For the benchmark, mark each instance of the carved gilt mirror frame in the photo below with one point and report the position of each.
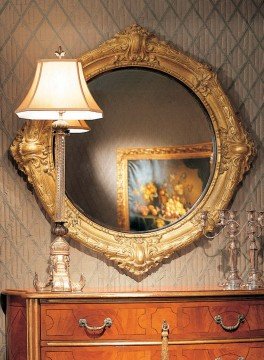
(138, 252)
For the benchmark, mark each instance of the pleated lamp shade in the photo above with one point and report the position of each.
(59, 86)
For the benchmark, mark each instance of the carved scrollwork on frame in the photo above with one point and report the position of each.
(203, 82)
(32, 151)
(138, 45)
(237, 150)
(137, 253)
(28, 148)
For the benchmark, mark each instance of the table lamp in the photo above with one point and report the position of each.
(59, 92)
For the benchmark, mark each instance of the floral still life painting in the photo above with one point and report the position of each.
(158, 186)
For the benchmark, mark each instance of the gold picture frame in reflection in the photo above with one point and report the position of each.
(157, 186)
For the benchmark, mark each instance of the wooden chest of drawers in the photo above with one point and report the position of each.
(213, 325)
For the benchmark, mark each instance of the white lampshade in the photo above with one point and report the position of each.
(78, 126)
(59, 86)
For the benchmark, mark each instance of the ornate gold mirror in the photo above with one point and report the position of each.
(168, 147)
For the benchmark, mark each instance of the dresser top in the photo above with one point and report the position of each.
(92, 294)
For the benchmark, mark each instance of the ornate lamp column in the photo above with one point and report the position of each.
(59, 92)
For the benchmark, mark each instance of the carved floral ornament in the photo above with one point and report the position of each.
(137, 253)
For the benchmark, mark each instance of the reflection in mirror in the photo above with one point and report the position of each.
(149, 160)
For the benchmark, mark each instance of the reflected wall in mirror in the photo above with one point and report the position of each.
(147, 162)
(166, 124)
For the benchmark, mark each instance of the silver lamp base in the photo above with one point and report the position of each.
(59, 280)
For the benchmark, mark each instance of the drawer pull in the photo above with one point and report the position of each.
(240, 319)
(165, 338)
(107, 324)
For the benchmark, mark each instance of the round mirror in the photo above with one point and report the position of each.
(148, 162)
(138, 181)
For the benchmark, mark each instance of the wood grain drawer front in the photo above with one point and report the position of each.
(245, 351)
(142, 321)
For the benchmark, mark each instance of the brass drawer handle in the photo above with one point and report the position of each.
(240, 319)
(94, 329)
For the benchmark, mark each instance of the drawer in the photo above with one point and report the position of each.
(102, 353)
(142, 321)
(245, 351)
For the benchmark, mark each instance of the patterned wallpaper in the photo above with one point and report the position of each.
(225, 34)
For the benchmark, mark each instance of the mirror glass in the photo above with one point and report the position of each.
(149, 160)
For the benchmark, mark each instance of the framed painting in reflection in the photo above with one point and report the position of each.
(157, 186)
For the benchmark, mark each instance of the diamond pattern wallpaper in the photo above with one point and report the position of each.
(226, 34)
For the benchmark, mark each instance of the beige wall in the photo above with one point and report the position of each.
(216, 32)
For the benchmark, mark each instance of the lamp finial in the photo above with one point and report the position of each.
(60, 53)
